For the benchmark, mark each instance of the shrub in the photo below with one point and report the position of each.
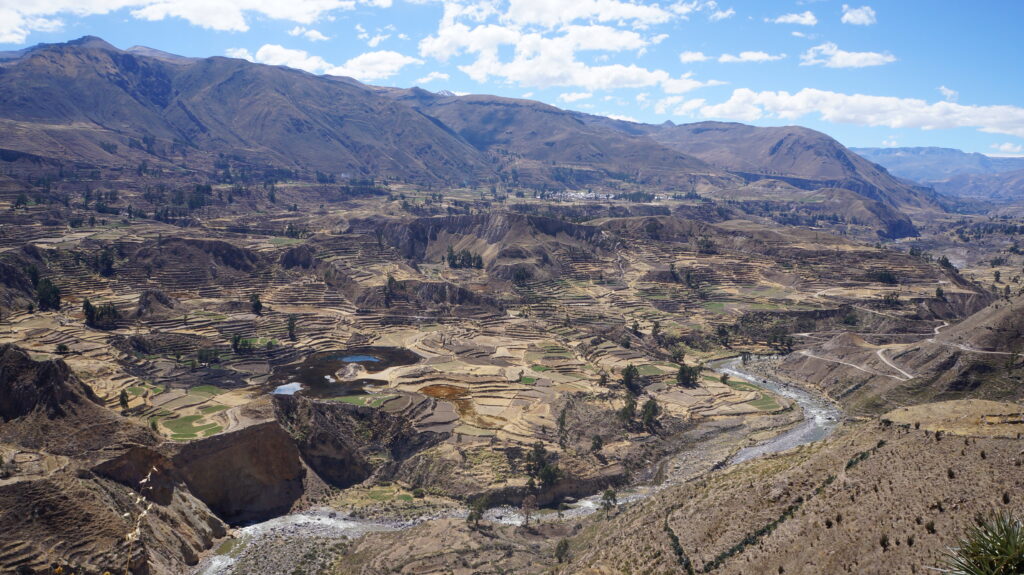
(995, 546)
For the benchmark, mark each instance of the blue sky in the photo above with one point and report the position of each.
(879, 73)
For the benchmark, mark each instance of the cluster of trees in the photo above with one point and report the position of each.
(688, 376)
(104, 316)
(463, 259)
(539, 467)
(648, 419)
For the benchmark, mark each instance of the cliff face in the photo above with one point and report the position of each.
(88, 476)
(338, 441)
(248, 475)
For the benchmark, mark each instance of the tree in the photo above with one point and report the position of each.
(940, 294)
(596, 443)
(291, 327)
(649, 414)
(994, 546)
(687, 376)
(562, 550)
(609, 500)
(256, 304)
(628, 411)
(207, 356)
(549, 474)
(528, 508)
(722, 333)
(123, 400)
(62, 348)
(48, 295)
(90, 312)
(629, 376)
(536, 459)
(476, 511)
(103, 317)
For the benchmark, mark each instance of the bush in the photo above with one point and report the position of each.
(995, 546)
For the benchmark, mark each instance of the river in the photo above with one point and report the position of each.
(820, 418)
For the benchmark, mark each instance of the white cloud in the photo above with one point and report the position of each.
(829, 55)
(689, 107)
(803, 19)
(890, 142)
(688, 57)
(542, 60)
(240, 53)
(863, 16)
(376, 40)
(432, 77)
(750, 57)
(622, 118)
(897, 113)
(678, 106)
(366, 67)
(721, 15)
(662, 106)
(374, 65)
(553, 14)
(18, 19)
(574, 96)
(309, 34)
(1008, 148)
(949, 94)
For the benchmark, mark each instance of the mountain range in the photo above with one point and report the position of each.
(954, 172)
(88, 103)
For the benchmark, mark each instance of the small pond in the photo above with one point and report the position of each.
(316, 376)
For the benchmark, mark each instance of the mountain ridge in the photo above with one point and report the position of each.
(88, 102)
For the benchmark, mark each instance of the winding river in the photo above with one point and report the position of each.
(820, 418)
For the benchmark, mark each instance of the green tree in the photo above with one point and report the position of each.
(628, 411)
(609, 500)
(629, 377)
(687, 376)
(90, 312)
(291, 326)
(649, 414)
(48, 295)
(549, 474)
(562, 550)
(123, 400)
(256, 304)
(476, 511)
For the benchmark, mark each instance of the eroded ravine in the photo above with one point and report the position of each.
(820, 418)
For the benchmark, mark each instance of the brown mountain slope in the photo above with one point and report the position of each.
(1003, 186)
(88, 101)
(541, 142)
(800, 156)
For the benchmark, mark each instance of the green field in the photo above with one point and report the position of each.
(191, 427)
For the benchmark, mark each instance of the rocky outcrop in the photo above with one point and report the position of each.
(154, 303)
(45, 387)
(107, 476)
(248, 475)
(345, 444)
